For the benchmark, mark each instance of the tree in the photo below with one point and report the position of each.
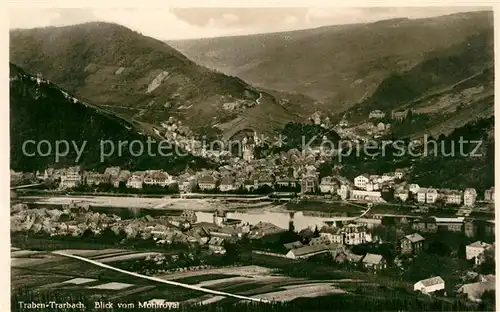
(440, 202)
(233, 251)
(108, 235)
(488, 265)
(173, 188)
(316, 232)
(439, 248)
(122, 185)
(388, 195)
(88, 234)
(488, 301)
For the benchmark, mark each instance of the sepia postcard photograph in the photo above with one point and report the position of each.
(307, 158)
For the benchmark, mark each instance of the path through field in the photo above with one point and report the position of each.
(155, 279)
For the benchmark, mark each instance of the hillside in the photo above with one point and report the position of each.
(448, 166)
(40, 110)
(141, 78)
(450, 88)
(339, 65)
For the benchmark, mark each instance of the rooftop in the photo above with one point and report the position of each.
(216, 241)
(227, 181)
(293, 245)
(309, 249)
(206, 179)
(479, 244)
(415, 237)
(432, 281)
(372, 258)
(449, 220)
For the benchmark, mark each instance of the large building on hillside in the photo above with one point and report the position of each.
(309, 184)
(475, 250)
(367, 196)
(489, 194)
(411, 244)
(71, 177)
(207, 183)
(361, 181)
(376, 114)
(470, 196)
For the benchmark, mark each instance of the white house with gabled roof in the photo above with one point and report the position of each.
(475, 250)
(361, 181)
(429, 285)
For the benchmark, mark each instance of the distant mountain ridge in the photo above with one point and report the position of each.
(339, 65)
(450, 88)
(141, 78)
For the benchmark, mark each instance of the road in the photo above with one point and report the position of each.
(258, 100)
(359, 206)
(159, 280)
(24, 186)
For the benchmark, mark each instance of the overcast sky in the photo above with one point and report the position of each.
(180, 23)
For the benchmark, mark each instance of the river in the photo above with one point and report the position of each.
(300, 219)
(247, 212)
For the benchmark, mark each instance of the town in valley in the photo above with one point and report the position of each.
(341, 186)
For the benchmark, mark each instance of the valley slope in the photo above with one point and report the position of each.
(40, 110)
(339, 65)
(142, 79)
(450, 88)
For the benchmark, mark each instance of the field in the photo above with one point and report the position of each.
(272, 279)
(47, 272)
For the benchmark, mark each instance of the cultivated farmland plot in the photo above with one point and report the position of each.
(126, 256)
(258, 282)
(250, 270)
(296, 291)
(93, 254)
(49, 272)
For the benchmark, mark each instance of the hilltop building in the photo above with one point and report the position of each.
(376, 114)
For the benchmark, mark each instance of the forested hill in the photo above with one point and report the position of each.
(40, 110)
(444, 167)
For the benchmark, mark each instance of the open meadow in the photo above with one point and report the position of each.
(48, 272)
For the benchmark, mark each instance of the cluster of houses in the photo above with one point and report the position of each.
(423, 195)
(414, 243)
(475, 252)
(336, 242)
(397, 115)
(455, 197)
(74, 176)
(76, 218)
(340, 254)
(305, 179)
(348, 235)
(366, 187)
